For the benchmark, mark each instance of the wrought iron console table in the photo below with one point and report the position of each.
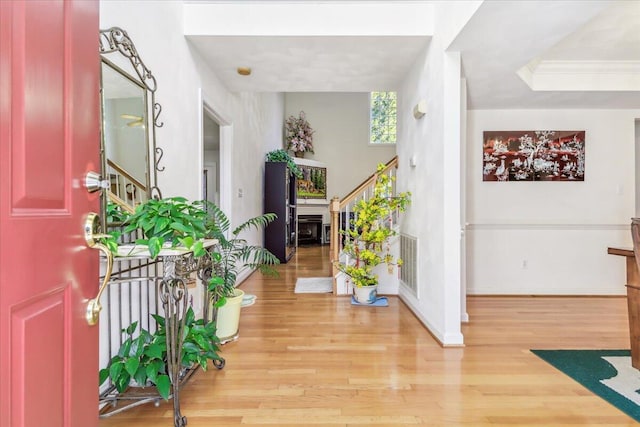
(166, 281)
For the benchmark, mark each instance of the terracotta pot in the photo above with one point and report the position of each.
(299, 153)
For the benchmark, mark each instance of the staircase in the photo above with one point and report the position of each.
(124, 190)
(341, 211)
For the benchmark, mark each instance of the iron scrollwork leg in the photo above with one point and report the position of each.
(173, 294)
(205, 273)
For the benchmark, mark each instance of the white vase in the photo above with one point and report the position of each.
(228, 317)
(365, 294)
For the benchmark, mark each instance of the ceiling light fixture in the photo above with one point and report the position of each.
(244, 71)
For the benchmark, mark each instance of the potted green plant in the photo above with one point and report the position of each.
(367, 240)
(175, 221)
(235, 255)
(282, 156)
(142, 357)
(168, 223)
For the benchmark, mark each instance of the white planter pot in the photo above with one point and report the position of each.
(228, 317)
(365, 294)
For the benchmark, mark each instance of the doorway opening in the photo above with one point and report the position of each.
(211, 159)
(216, 137)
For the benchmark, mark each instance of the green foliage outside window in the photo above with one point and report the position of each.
(383, 118)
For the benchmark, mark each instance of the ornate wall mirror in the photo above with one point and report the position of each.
(130, 157)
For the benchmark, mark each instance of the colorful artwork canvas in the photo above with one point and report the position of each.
(313, 184)
(538, 155)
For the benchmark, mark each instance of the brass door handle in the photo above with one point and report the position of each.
(91, 236)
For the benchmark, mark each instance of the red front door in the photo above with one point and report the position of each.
(49, 139)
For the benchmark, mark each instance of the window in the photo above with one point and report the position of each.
(383, 118)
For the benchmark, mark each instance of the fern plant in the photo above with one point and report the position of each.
(235, 253)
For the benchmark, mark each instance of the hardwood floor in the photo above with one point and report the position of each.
(313, 359)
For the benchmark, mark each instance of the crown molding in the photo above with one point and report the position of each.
(547, 75)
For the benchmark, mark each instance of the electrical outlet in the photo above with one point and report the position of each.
(525, 263)
(240, 193)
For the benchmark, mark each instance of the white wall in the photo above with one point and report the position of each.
(434, 215)
(552, 237)
(256, 130)
(341, 138)
(254, 120)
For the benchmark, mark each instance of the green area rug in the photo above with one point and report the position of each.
(607, 373)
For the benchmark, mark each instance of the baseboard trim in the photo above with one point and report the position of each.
(548, 226)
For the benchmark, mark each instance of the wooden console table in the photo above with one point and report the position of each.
(633, 301)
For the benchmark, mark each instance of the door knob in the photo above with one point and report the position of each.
(93, 182)
(91, 236)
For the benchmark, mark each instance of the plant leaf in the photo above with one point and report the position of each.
(114, 370)
(181, 227)
(189, 347)
(162, 224)
(131, 366)
(159, 319)
(198, 249)
(202, 342)
(103, 375)
(122, 382)
(202, 361)
(152, 374)
(164, 386)
(155, 351)
(190, 316)
(154, 245)
(132, 327)
(187, 242)
(139, 344)
(141, 376)
(124, 348)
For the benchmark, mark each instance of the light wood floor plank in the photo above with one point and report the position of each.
(313, 359)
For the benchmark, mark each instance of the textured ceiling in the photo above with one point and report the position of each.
(614, 34)
(538, 31)
(310, 63)
(500, 38)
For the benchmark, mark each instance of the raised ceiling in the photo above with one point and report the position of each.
(506, 47)
(310, 63)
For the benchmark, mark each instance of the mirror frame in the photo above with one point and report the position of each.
(115, 40)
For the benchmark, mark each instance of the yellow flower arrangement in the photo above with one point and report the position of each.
(367, 240)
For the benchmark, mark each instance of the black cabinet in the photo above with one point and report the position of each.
(280, 199)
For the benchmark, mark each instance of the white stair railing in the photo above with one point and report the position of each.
(341, 211)
(124, 189)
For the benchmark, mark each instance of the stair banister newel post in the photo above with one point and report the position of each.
(334, 248)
